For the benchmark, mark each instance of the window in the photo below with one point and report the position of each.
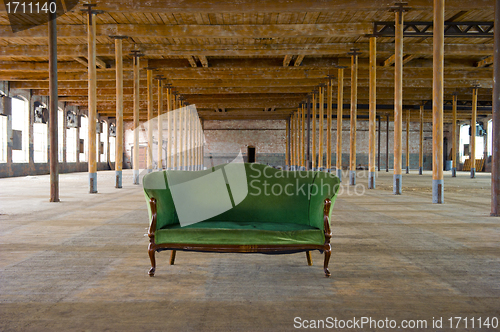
(60, 135)
(490, 138)
(20, 130)
(112, 149)
(465, 144)
(71, 141)
(40, 142)
(3, 139)
(84, 138)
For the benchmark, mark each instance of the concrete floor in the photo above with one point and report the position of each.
(82, 264)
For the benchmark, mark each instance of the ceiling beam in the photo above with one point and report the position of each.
(271, 6)
(298, 61)
(192, 61)
(182, 50)
(327, 30)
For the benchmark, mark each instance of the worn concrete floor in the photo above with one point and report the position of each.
(81, 265)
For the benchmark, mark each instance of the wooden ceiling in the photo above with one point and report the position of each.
(252, 60)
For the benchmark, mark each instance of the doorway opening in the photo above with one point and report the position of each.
(251, 154)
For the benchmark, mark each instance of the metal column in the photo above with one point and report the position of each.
(495, 167)
(437, 104)
(53, 108)
(372, 130)
(340, 105)
(354, 115)
(92, 106)
(119, 110)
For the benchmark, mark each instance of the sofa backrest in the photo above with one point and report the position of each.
(260, 193)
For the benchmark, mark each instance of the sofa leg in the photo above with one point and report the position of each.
(172, 257)
(151, 253)
(328, 252)
(309, 258)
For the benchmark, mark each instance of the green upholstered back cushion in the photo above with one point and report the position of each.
(273, 195)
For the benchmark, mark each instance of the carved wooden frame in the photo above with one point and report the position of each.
(284, 248)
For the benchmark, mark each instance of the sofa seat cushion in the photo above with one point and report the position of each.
(240, 233)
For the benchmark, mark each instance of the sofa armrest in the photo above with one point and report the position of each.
(326, 220)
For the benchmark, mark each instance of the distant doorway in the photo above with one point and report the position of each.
(251, 154)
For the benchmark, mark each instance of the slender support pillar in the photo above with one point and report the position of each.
(454, 138)
(421, 142)
(379, 142)
(314, 101)
(53, 118)
(169, 128)
(181, 138)
(136, 120)
(473, 134)
(407, 142)
(296, 140)
(287, 153)
(437, 103)
(354, 115)
(372, 131)
(387, 143)
(302, 136)
(495, 166)
(119, 111)
(329, 127)
(321, 129)
(398, 103)
(175, 134)
(340, 105)
(92, 106)
(308, 150)
(161, 119)
(149, 77)
(292, 140)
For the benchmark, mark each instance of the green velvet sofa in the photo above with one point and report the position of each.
(270, 211)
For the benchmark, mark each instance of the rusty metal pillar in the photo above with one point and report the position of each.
(379, 141)
(53, 127)
(329, 125)
(321, 119)
(372, 130)
(398, 97)
(473, 133)
(287, 151)
(92, 104)
(308, 150)
(302, 141)
(149, 77)
(314, 100)
(421, 142)
(340, 106)
(454, 138)
(437, 104)
(354, 115)
(407, 142)
(495, 148)
(168, 157)
(136, 54)
(119, 110)
(161, 120)
(387, 143)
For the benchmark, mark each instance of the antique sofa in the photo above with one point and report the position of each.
(240, 207)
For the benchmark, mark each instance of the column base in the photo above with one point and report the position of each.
(302, 168)
(339, 174)
(352, 178)
(420, 170)
(149, 170)
(92, 183)
(438, 191)
(397, 184)
(472, 173)
(407, 170)
(118, 175)
(371, 180)
(453, 172)
(136, 176)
